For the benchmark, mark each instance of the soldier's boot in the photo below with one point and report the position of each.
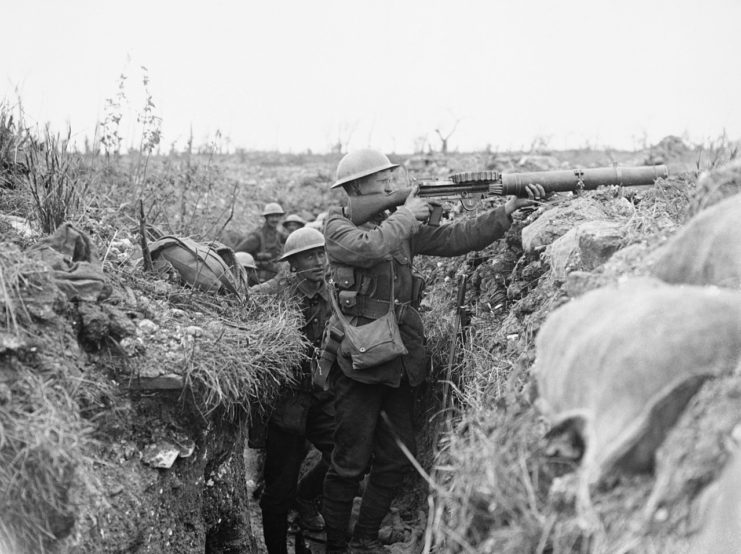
(309, 517)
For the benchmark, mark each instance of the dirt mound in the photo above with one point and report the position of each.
(96, 390)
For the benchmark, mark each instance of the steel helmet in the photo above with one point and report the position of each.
(293, 218)
(245, 260)
(302, 240)
(361, 163)
(272, 208)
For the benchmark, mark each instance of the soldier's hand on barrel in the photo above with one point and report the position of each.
(535, 194)
(419, 208)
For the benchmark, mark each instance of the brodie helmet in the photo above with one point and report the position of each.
(293, 218)
(245, 259)
(361, 163)
(272, 208)
(302, 240)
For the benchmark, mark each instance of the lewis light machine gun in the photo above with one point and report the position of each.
(471, 187)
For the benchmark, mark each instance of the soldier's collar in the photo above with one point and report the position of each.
(312, 288)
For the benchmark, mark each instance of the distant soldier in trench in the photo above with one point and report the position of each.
(293, 222)
(250, 268)
(266, 243)
(371, 269)
(303, 413)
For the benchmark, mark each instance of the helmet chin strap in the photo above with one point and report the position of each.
(310, 270)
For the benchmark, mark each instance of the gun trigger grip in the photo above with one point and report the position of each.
(436, 213)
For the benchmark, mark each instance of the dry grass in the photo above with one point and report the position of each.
(19, 277)
(490, 466)
(43, 439)
(57, 181)
(256, 353)
(14, 140)
(42, 444)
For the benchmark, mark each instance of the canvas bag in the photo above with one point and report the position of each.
(208, 267)
(376, 342)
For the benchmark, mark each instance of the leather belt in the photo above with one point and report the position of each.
(373, 308)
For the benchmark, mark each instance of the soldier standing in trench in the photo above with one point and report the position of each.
(367, 263)
(303, 412)
(266, 243)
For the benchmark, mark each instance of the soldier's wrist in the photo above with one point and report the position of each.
(409, 215)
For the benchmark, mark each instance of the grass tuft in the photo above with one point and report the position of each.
(57, 181)
(42, 444)
(252, 358)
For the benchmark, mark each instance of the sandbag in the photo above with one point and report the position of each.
(618, 365)
(209, 267)
(707, 251)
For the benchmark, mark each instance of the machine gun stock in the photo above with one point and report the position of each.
(470, 187)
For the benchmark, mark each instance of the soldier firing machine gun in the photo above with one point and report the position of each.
(473, 186)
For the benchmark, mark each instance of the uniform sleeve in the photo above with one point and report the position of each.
(456, 239)
(365, 247)
(251, 244)
(272, 286)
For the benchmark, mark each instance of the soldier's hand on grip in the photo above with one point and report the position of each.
(419, 208)
(535, 193)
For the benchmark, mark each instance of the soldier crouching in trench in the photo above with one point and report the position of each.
(371, 272)
(303, 412)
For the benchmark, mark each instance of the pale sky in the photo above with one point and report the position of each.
(293, 75)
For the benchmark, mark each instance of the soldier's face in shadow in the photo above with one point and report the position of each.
(291, 226)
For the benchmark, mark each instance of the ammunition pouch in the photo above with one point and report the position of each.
(345, 279)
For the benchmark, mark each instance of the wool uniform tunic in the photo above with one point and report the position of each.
(360, 261)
